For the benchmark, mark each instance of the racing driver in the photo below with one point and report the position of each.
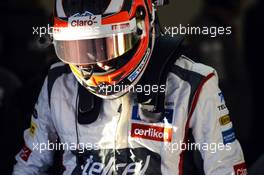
(124, 100)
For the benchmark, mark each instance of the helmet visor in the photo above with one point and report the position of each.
(85, 40)
(91, 51)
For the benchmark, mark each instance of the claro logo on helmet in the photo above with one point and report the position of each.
(157, 133)
(89, 21)
(86, 19)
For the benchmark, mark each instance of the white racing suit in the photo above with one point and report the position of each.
(119, 142)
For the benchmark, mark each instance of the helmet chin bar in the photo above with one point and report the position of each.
(124, 82)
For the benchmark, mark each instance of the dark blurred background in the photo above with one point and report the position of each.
(236, 57)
